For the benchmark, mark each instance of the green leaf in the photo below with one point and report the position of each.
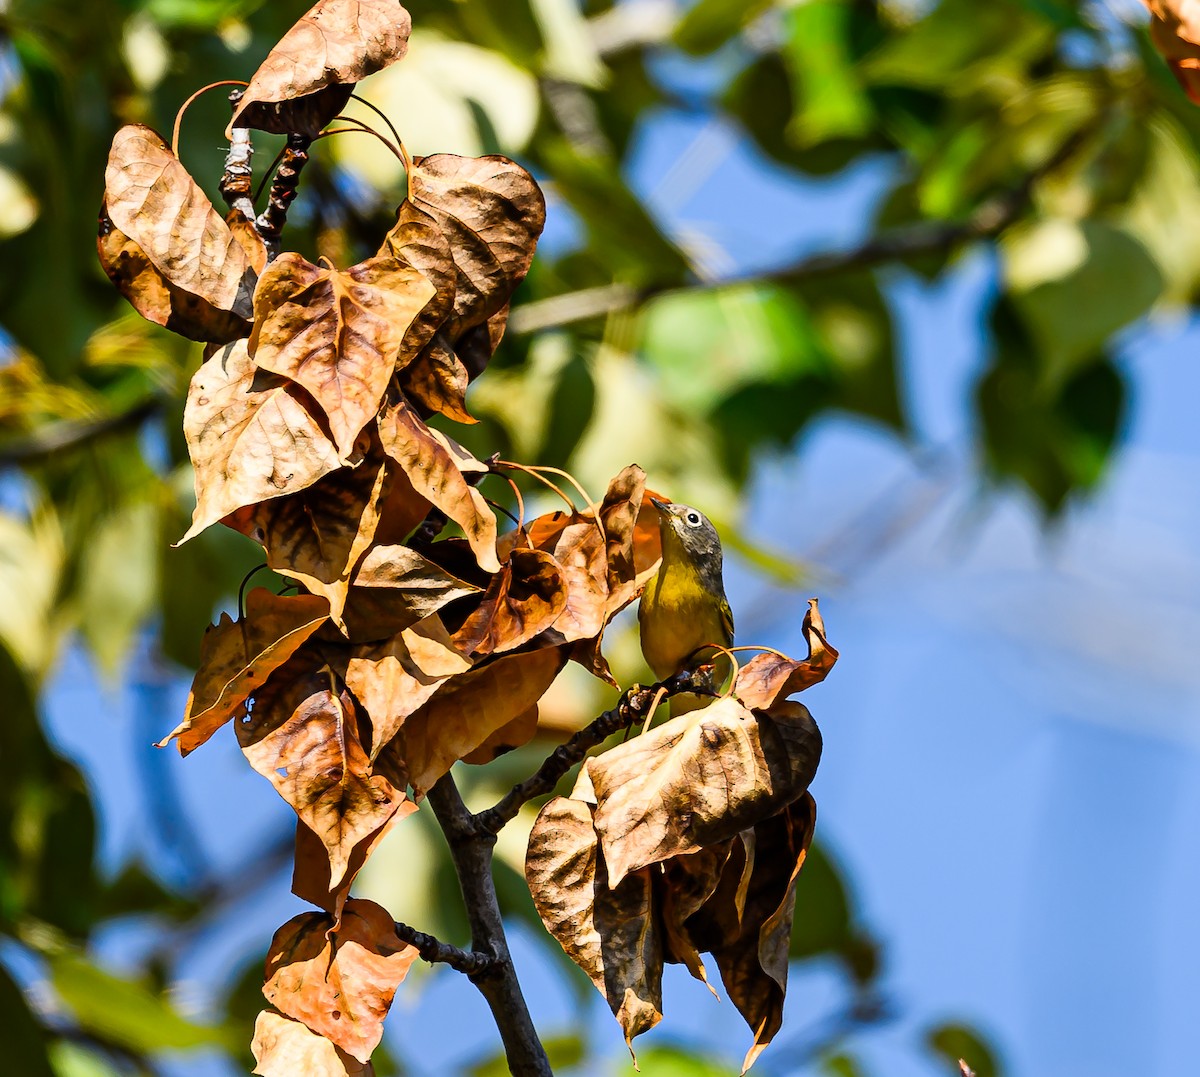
(830, 101)
(71, 1060)
(564, 1051)
(24, 1040)
(709, 24)
(842, 1065)
(125, 1012)
(671, 1060)
(952, 1042)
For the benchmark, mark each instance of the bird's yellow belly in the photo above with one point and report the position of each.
(674, 621)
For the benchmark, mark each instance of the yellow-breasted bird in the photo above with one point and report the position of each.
(684, 605)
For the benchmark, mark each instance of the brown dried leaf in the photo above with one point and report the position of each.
(767, 678)
(236, 657)
(468, 709)
(754, 968)
(579, 551)
(251, 437)
(304, 739)
(686, 884)
(394, 678)
(520, 731)
(341, 982)
(524, 599)
(417, 240)
(434, 465)
(310, 875)
(155, 298)
(284, 1048)
(318, 535)
(1175, 31)
(610, 932)
(159, 208)
(337, 333)
(437, 381)
(491, 213)
(396, 587)
(248, 236)
(718, 922)
(308, 76)
(699, 779)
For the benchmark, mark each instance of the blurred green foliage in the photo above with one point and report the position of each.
(1040, 130)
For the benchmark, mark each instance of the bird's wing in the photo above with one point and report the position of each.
(727, 619)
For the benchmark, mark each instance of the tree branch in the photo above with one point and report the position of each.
(987, 222)
(470, 962)
(471, 851)
(635, 704)
(283, 192)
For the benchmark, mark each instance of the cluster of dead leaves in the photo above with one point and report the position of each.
(403, 653)
(689, 839)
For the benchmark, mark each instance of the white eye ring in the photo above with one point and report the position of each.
(693, 519)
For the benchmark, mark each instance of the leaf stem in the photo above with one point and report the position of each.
(188, 104)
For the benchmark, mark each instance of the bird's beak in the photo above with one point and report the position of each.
(663, 507)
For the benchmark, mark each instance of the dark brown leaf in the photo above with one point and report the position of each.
(284, 1048)
(318, 535)
(308, 76)
(469, 708)
(251, 437)
(236, 657)
(754, 968)
(524, 599)
(302, 735)
(767, 678)
(686, 884)
(338, 333)
(699, 779)
(154, 203)
(435, 465)
(610, 932)
(339, 982)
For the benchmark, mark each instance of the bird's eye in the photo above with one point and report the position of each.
(693, 519)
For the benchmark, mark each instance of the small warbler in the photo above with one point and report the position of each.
(684, 605)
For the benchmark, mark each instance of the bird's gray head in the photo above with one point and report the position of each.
(693, 533)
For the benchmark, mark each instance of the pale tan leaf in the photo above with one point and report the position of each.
(767, 678)
(285, 1048)
(435, 465)
(250, 436)
(699, 779)
(236, 657)
(469, 708)
(339, 982)
(152, 200)
(610, 932)
(303, 737)
(308, 76)
(337, 333)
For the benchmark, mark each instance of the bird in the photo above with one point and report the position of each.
(684, 606)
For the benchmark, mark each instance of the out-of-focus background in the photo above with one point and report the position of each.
(899, 292)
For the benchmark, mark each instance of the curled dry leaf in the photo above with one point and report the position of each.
(469, 708)
(434, 465)
(302, 736)
(339, 982)
(308, 76)
(768, 678)
(251, 437)
(1175, 31)
(754, 967)
(523, 600)
(396, 587)
(699, 779)
(169, 244)
(611, 933)
(318, 535)
(338, 333)
(687, 883)
(394, 678)
(283, 1048)
(491, 212)
(155, 298)
(236, 657)
(510, 736)
(310, 872)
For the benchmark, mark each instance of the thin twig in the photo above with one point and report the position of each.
(636, 703)
(988, 221)
(469, 962)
